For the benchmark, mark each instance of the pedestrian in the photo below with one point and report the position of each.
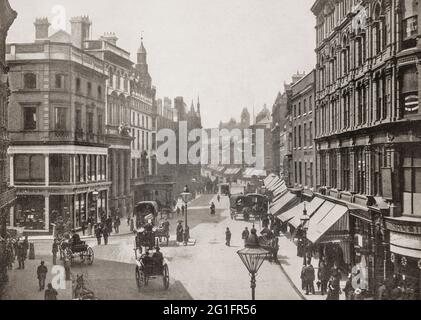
(228, 237)
(349, 289)
(41, 275)
(178, 211)
(117, 223)
(323, 276)
(54, 251)
(26, 246)
(105, 234)
(109, 225)
(83, 226)
(128, 220)
(50, 293)
(186, 235)
(98, 234)
(333, 289)
(245, 235)
(218, 198)
(303, 277)
(180, 232)
(21, 255)
(382, 293)
(309, 278)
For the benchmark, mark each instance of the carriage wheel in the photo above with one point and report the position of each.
(166, 277)
(90, 256)
(139, 277)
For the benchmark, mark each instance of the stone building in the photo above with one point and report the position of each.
(303, 156)
(367, 119)
(7, 194)
(58, 154)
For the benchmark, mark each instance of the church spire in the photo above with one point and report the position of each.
(198, 106)
(141, 53)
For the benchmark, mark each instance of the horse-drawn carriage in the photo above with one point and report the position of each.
(269, 241)
(149, 236)
(73, 248)
(144, 212)
(248, 207)
(150, 268)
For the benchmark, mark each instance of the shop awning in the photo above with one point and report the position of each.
(405, 245)
(280, 189)
(273, 183)
(270, 178)
(311, 208)
(296, 211)
(276, 185)
(284, 203)
(321, 223)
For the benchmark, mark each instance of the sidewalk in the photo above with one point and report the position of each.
(23, 284)
(291, 264)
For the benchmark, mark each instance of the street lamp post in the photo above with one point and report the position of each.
(253, 257)
(185, 195)
(304, 225)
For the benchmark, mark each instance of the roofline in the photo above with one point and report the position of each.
(302, 79)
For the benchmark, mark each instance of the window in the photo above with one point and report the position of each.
(305, 106)
(409, 23)
(345, 170)
(89, 88)
(323, 172)
(310, 103)
(299, 108)
(311, 133)
(100, 124)
(361, 171)
(299, 137)
(333, 170)
(311, 175)
(305, 134)
(300, 172)
(412, 181)
(409, 91)
(305, 174)
(133, 169)
(295, 137)
(29, 168)
(30, 81)
(99, 93)
(59, 81)
(90, 124)
(60, 118)
(78, 120)
(59, 171)
(78, 85)
(30, 118)
(296, 172)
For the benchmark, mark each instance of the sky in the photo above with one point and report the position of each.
(231, 53)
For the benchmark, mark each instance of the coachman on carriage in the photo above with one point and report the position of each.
(248, 207)
(74, 247)
(145, 211)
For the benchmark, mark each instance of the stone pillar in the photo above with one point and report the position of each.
(395, 164)
(352, 169)
(128, 181)
(47, 169)
(47, 212)
(352, 107)
(87, 208)
(11, 171)
(317, 167)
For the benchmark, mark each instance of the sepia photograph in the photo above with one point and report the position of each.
(197, 150)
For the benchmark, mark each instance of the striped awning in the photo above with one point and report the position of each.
(311, 208)
(321, 222)
(284, 203)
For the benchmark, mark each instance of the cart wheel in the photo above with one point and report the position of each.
(90, 256)
(139, 278)
(166, 277)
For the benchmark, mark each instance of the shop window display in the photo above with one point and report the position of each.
(30, 212)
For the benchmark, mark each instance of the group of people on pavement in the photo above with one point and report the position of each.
(182, 234)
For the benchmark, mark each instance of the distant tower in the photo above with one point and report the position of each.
(245, 118)
(198, 106)
(142, 67)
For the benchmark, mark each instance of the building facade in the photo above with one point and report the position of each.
(7, 194)
(302, 101)
(58, 154)
(367, 121)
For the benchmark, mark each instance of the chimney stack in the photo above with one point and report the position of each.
(110, 37)
(41, 29)
(80, 30)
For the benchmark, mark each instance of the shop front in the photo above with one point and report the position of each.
(405, 248)
(42, 212)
